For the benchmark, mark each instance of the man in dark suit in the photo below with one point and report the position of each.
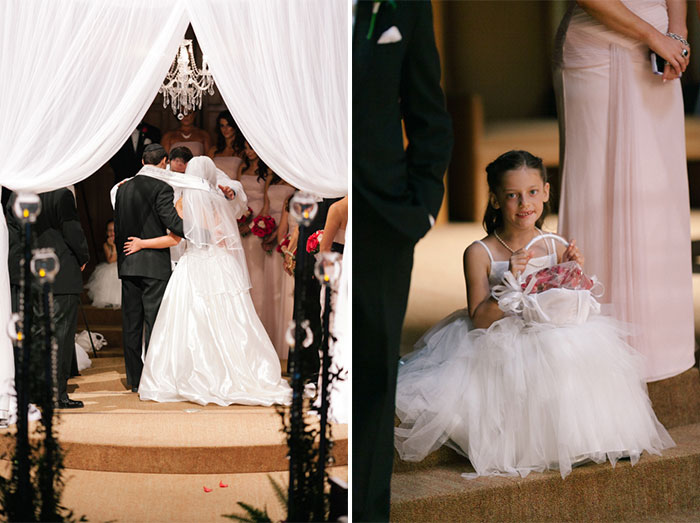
(127, 160)
(144, 208)
(58, 227)
(396, 195)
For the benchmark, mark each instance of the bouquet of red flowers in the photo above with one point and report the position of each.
(313, 244)
(245, 217)
(285, 243)
(567, 275)
(263, 226)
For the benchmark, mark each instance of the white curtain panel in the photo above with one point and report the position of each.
(282, 69)
(77, 77)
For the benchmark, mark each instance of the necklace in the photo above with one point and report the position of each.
(503, 243)
(185, 136)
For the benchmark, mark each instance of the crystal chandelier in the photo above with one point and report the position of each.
(184, 84)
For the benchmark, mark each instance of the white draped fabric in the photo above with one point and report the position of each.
(78, 76)
(266, 57)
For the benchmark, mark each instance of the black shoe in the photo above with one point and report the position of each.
(70, 404)
(134, 389)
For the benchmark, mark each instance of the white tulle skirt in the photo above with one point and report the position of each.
(104, 286)
(208, 344)
(517, 398)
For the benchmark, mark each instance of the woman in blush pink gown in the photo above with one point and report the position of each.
(624, 177)
(254, 187)
(229, 149)
(277, 296)
(187, 135)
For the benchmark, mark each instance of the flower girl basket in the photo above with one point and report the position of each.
(559, 295)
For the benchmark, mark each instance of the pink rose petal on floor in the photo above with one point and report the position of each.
(207, 489)
(222, 484)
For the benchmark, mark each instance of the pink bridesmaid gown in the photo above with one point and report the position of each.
(624, 194)
(254, 254)
(228, 164)
(277, 294)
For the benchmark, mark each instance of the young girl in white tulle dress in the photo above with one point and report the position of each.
(516, 394)
(104, 286)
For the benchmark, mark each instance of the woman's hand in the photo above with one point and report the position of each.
(518, 261)
(132, 245)
(244, 229)
(289, 263)
(672, 51)
(572, 254)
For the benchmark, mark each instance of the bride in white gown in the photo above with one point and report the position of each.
(208, 344)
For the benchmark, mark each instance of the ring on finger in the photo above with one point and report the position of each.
(684, 52)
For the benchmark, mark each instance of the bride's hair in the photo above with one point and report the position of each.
(510, 161)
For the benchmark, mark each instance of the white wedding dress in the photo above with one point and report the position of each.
(525, 396)
(208, 344)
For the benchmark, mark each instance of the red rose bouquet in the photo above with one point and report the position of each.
(263, 226)
(567, 275)
(285, 243)
(313, 243)
(246, 217)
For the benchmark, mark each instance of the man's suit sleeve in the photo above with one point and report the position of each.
(166, 210)
(428, 126)
(14, 232)
(71, 229)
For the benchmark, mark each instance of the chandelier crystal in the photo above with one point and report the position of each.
(185, 82)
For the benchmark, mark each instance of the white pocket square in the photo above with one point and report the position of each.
(390, 36)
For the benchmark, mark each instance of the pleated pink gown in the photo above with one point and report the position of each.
(625, 183)
(277, 291)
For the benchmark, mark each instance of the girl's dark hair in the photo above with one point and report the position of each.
(238, 140)
(512, 160)
(108, 222)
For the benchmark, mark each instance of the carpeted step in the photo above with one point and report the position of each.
(114, 496)
(676, 400)
(96, 315)
(653, 487)
(117, 432)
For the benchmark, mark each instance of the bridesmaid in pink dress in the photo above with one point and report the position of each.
(229, 149)
(187, 135)
(254, 187)
(624, 176)
(276, 297)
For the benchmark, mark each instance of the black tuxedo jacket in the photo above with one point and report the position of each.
(127, 160)
(57, 226)
(144, 208)
(392, 82)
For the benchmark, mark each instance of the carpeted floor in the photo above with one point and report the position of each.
(132, 460)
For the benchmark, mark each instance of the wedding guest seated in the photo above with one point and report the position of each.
(104, 287)
(194, 138)
(229, 151)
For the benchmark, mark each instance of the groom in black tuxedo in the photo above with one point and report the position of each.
(144, 208)
(397, 194)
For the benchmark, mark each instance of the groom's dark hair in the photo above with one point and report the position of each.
(153, 154)
(181, 152)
